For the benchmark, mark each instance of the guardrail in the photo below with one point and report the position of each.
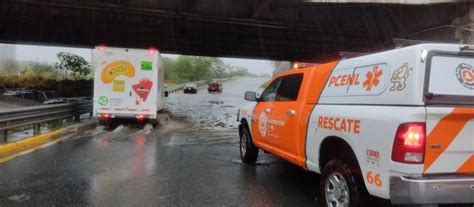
(34, 116)
(178, 87)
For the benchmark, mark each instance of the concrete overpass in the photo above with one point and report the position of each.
(304, 30)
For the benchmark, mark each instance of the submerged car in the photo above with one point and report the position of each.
(190, 88)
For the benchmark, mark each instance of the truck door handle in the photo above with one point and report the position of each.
(267, 110)
(291, 112)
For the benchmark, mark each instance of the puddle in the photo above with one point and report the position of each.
(200, 137)
(216, 102)
(19, 198)
(260, 162)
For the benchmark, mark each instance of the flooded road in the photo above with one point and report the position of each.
(191, 160)
(214, 110)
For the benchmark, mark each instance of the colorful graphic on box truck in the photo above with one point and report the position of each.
(127, 82)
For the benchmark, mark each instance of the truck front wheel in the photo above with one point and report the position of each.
(339, 185)
(248, 151)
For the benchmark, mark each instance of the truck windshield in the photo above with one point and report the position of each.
(450, 79)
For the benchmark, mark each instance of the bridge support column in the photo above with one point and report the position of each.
(465, 26)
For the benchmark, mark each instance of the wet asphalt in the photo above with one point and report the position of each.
(192, 159)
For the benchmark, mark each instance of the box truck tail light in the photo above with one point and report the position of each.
(141, 117)
(152, 50)
(409, 143)
(104, 117)
(102, 48)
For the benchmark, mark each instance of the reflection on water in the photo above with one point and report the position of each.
(123, 172)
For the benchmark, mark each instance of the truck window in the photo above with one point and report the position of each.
(270, 92)
(289, 88)
(450, 79)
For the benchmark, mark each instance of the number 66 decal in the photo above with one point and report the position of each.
(371, 179)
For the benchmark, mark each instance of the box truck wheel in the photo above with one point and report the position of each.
(248, 151)
(104, 123)
(153, 122)
(341, 186)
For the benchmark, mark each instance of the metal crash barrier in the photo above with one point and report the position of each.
(16, 119)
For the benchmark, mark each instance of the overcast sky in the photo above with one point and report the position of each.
(48, 54)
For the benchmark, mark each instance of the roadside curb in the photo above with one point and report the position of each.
(31, 141)
(11, 149)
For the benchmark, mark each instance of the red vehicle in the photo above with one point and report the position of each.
(215, 87)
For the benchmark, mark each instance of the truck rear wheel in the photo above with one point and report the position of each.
(153, 122)
(248, 151)
(341, 186)
(106, 124)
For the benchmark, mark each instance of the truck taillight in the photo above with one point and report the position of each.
(141, 117)
(152, 50)
(104, 117)
(409, 143)
(102, 48)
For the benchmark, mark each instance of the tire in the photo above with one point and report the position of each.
(351, 191)
(153, 122)
(104, 123)
(248, 151)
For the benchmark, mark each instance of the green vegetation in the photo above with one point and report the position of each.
(48, 77)
(74, 64)
(33, 76)
(70, 76)
(10, 66)
(192, 68)
(56, 124)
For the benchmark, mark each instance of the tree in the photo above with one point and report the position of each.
(183, 67)
(219, 68)
(45, 70)
(169, 65)
(10, 66)
(201, 68)
(74, 64)
(194, 68)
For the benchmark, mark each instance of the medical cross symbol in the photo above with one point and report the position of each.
(373, 78)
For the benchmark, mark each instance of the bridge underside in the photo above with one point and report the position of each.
(267, 29)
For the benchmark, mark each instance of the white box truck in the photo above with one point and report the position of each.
(128, 84)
